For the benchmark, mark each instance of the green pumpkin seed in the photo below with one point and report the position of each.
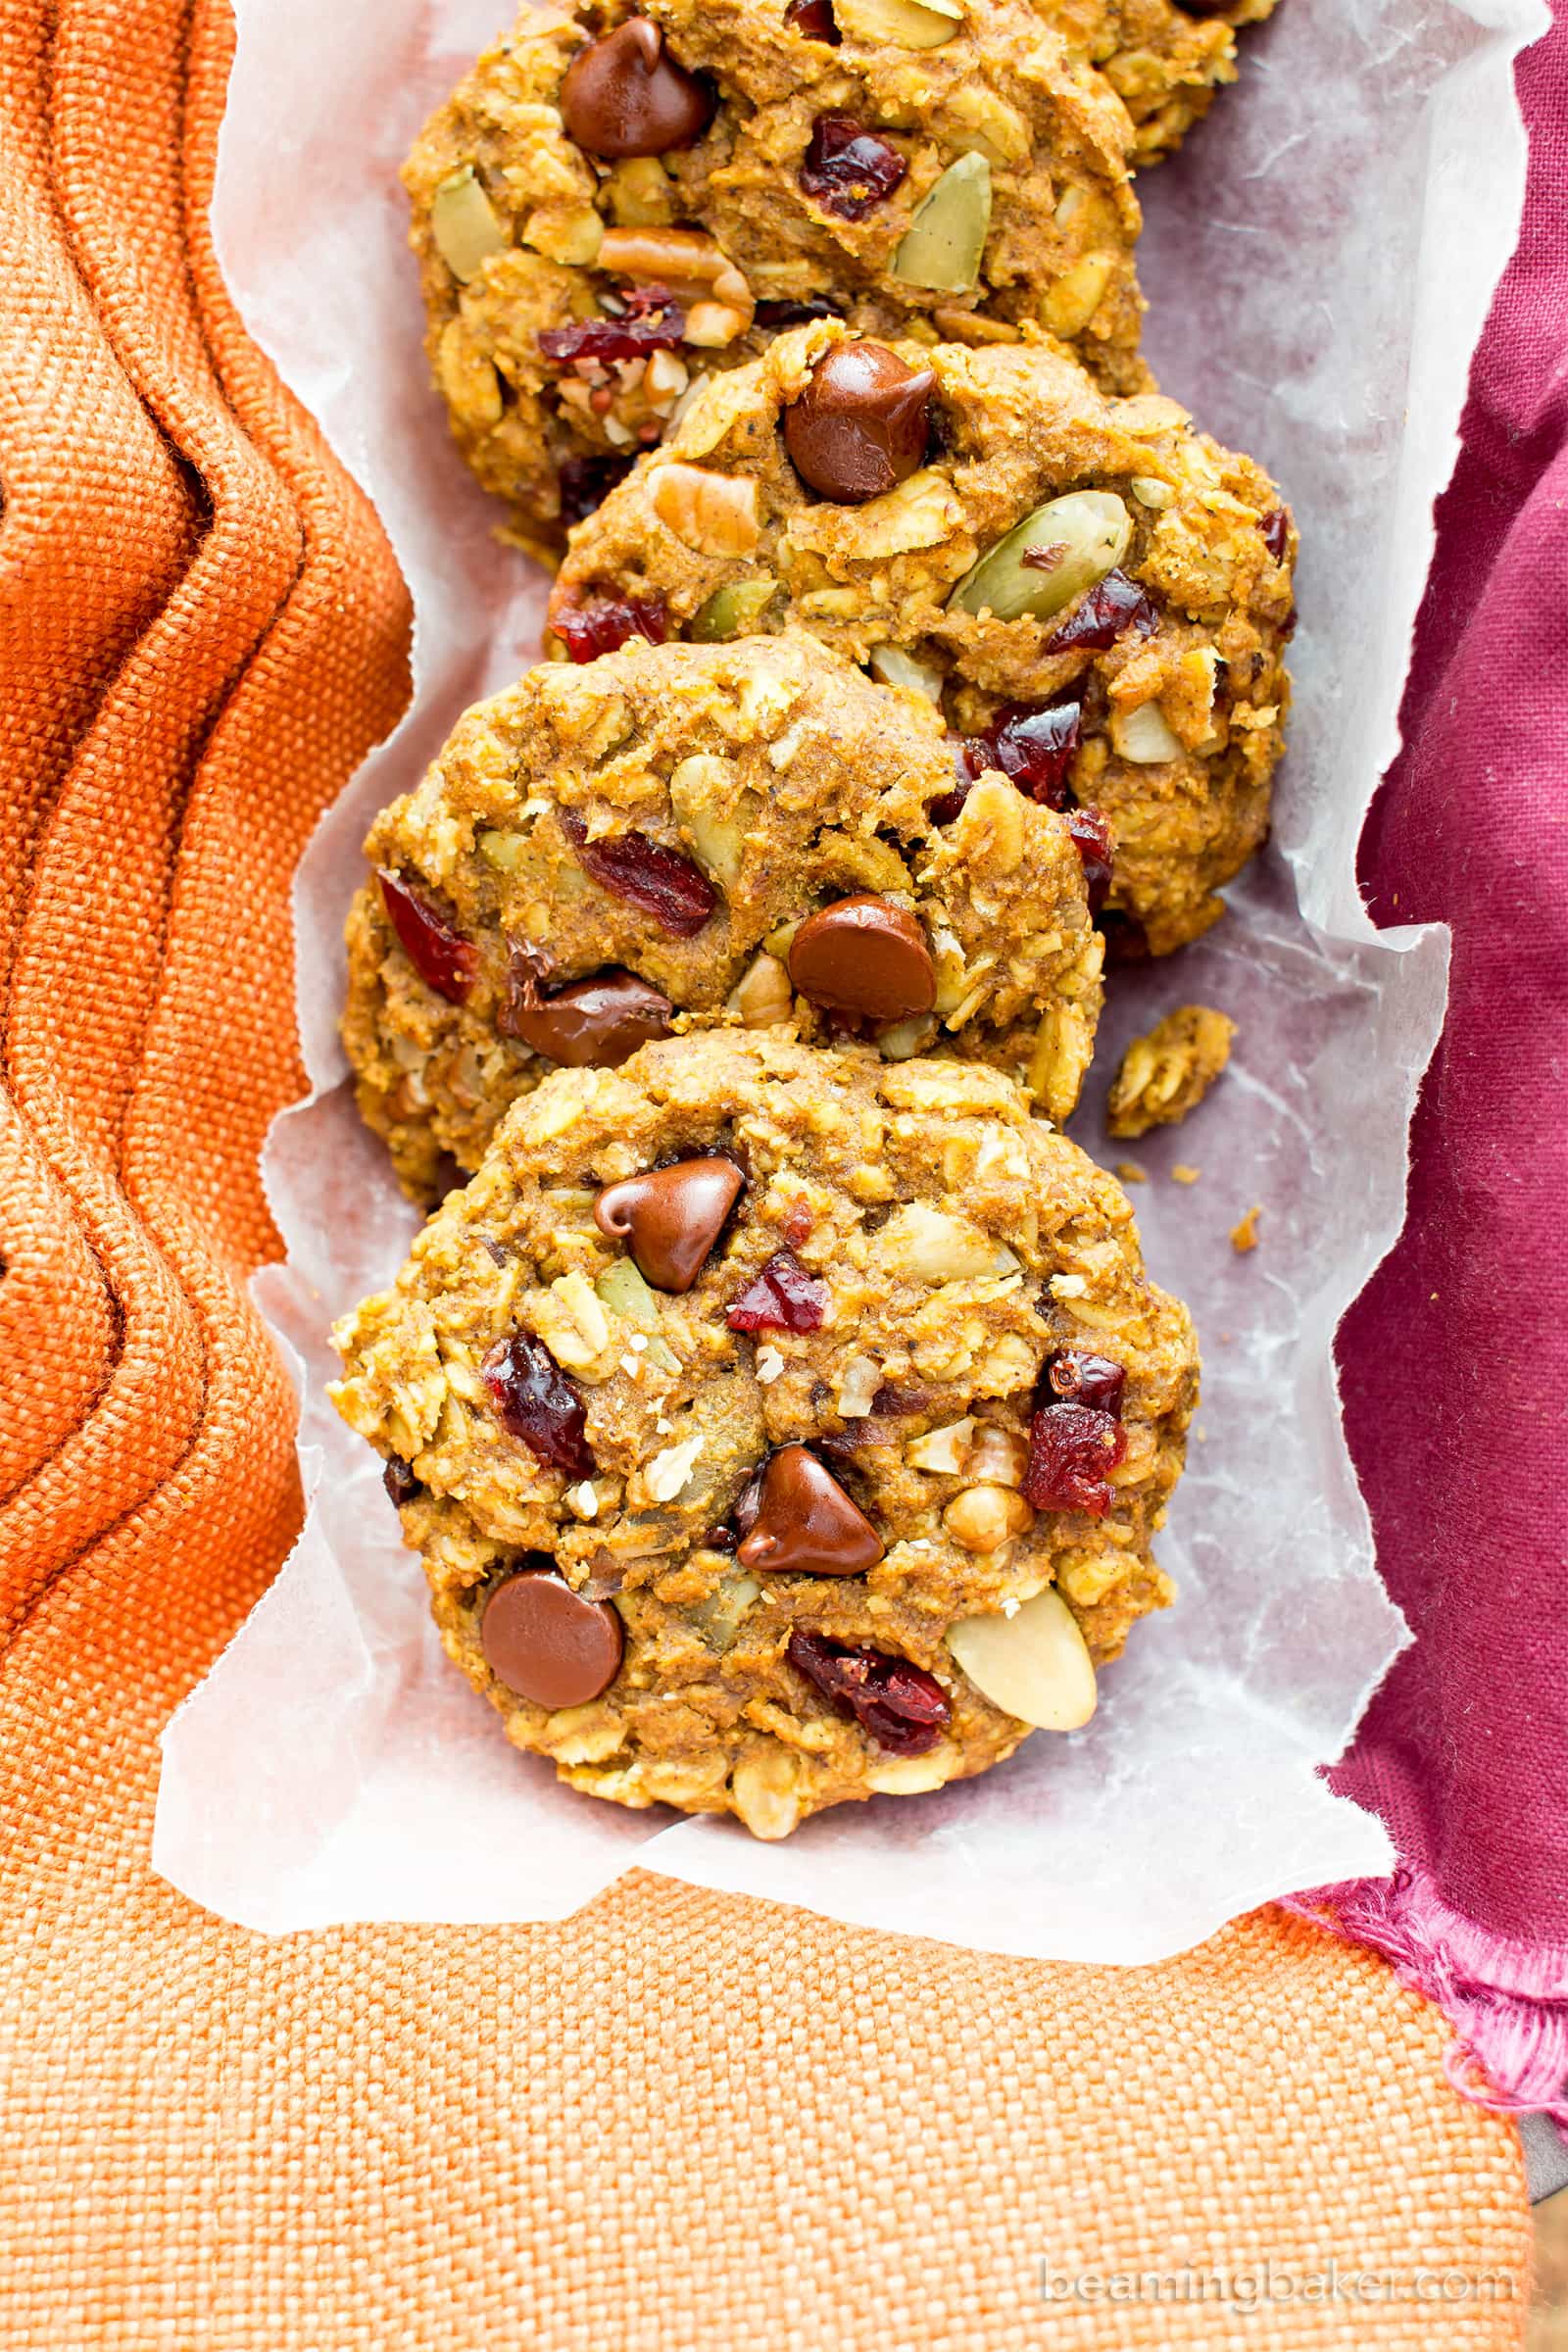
(947, 234)
(733, 611)
(1091, 531)
(464, 224)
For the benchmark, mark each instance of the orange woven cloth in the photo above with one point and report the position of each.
(676, 2121)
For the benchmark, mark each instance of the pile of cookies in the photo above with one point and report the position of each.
(777, 1398)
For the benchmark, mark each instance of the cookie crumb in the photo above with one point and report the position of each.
(1131, 1171)
(1181, 1173)
(1244, 1236)
(1166, 1075)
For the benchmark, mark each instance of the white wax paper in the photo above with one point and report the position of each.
(1318, 263)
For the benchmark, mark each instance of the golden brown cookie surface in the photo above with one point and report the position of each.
(759, 1496)
(1092, 584)
(751, 833)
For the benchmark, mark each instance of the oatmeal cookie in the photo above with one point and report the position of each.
(1099, 595)
(685, 834)
(615, 204)
(778, 1425)
(1165, 59)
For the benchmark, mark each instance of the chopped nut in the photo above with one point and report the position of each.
(769, 1364)
(857, 1383)
(1145, 736)
(894, 668)
(984, 1518)
(1000, 1456)
(714, 514)
(1165, 1074)
(944, 1450)
(1244, 1236)
(693, 266)
(583, 1501)
(763, 995)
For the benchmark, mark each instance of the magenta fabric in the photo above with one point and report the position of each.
(1456, 1359)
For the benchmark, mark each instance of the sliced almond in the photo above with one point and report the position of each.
(1034, 1665)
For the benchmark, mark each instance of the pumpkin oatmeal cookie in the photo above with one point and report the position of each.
(1096, 595)
(1165, 59)
(778, 1425)
(612, 205)
(675, 835)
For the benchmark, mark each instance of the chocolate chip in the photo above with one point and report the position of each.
(806, 1524)
(670, 1218)
(548, 1643)
(624, 94)
(596, 1023)
(399, 1480)
(863, 955)
(862, 423)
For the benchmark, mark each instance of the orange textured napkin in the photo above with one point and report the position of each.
(677, 2121)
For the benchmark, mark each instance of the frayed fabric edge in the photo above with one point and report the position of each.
(1507, 2001)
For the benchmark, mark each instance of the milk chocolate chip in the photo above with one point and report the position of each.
(806, 1524)
(626, 95)
(862, 424)
(548, 1643)
(864, 955)
(670, 1218)
(596, 1023)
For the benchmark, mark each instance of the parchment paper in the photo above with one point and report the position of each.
(1318, 263)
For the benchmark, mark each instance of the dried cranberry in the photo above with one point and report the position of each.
(900, 1706)
(585, 484)
(1075, 1377)
(1071, 1448)
(533, 1399)
(1276, 529)
(666, 884)
(782, 1298)
(772, 315)
(650, 320)
(797, 1225)
(815, 19)
(1090, 833)
(1034, 744)
(1126, 940)
(443, 958)
(605, 623)
(969, 757)
(1109, 610)
(848, 168)
(399, 1480)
